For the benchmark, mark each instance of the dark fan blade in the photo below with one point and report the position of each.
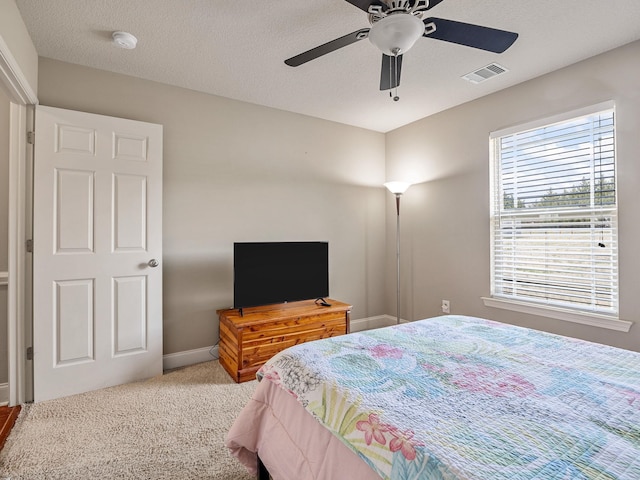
(389, 78)
(365, 4)
(433, 3)
(475, 36)
(327, 48)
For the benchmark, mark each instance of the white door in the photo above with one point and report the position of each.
(97, 251)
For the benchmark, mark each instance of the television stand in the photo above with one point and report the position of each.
(249, 339)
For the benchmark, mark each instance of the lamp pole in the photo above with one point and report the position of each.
(398, 258)
(397, 188)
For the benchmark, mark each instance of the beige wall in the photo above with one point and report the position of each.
(240, 172)
(14, 34)
(445, 218)
(4, 229)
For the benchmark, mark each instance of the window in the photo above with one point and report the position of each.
(554, 212)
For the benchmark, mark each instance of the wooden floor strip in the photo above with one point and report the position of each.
(8, 417)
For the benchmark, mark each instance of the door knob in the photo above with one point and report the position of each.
(153, 263)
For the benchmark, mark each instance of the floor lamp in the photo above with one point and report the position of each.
(397, 188)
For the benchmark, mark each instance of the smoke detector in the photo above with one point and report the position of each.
(124, 40)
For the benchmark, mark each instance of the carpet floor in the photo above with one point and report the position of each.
(169, 427)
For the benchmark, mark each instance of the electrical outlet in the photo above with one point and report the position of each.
(446, 306)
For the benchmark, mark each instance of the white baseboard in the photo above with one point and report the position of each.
(372, 322)
(4, 394)
(205, 354)
(189, 357)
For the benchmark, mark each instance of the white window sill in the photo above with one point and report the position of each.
(593, 319)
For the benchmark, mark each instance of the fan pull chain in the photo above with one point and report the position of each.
(390, 79)
(391, 69)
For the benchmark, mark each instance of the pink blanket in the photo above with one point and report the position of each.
(292, 444)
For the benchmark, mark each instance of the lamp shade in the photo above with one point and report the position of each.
(397, 188)
(396, 33)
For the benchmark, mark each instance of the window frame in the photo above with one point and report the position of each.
(522, 305)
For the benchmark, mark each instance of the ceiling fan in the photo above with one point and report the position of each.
(395, 27)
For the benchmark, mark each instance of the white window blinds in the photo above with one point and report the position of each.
(554, 212)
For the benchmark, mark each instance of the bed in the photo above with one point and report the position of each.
(445, 398)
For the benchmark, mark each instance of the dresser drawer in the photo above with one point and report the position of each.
(249, 339)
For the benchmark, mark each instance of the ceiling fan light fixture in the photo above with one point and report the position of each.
(395, 34)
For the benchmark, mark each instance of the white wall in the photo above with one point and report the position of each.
(445, 217)
(240, 172)
(14, 34)
(236, 172)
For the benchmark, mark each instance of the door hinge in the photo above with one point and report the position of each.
(31, 138)
(29, 245)
(29, 353)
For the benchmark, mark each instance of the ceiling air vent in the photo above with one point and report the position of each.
(485, 73)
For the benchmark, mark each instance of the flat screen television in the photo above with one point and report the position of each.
(276, 272)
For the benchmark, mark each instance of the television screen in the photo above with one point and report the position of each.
(277, 272)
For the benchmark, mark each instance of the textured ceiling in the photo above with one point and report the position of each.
(237, 48)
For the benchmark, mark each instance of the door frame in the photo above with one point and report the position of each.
(21, 96)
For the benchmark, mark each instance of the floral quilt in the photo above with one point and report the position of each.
(456, 397)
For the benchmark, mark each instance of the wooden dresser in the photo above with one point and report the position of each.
(247, 341)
